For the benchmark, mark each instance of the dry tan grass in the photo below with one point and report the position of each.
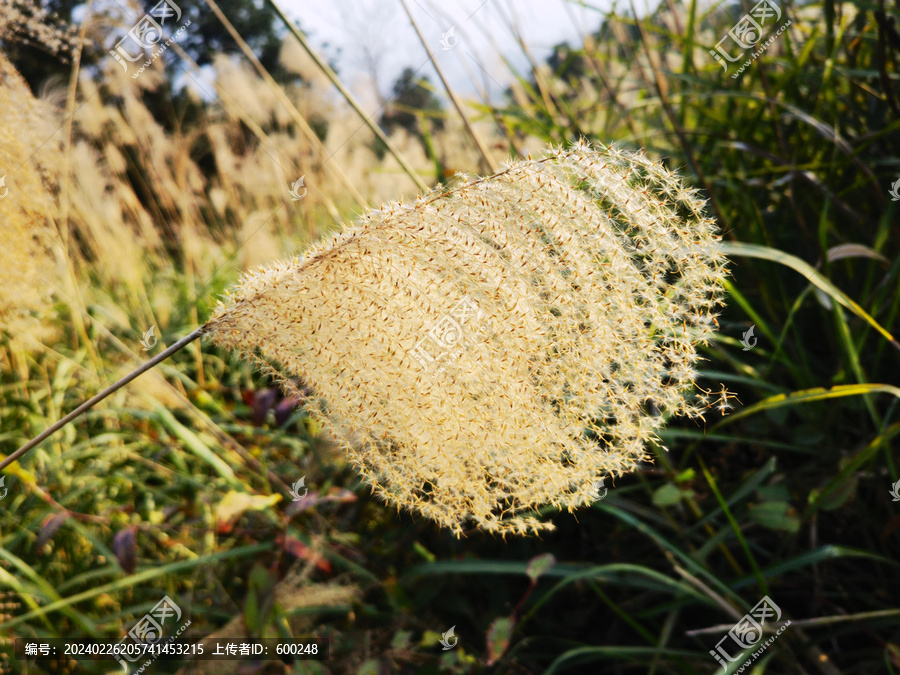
(485, 352)
(28, 22)
(27, 207)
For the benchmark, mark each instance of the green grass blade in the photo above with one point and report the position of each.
(809, 396)
(734, 248)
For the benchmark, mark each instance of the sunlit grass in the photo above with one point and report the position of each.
(788, 496)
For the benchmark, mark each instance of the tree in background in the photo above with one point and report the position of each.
(205, 39)
(415, 107)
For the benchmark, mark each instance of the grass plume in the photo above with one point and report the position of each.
(502, 346)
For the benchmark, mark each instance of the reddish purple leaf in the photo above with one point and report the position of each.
(125, 548)
(262, 402)
(48, 528)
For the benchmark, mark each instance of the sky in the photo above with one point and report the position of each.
(468, 38)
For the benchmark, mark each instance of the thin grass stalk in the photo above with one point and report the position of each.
(111, 389)
(589, 47)
(479, 143)
(552, 106)
(335, 80)
(291, 108)
(662, 90)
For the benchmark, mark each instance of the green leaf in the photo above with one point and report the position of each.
(259, 604)
(685, 476)
(774, 493)
(775, 516)
(808, 396)
(539, 565)
(498, 637)
(667, 495)
(814, 277)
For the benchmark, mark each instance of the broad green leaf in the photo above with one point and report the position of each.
(775, 516)
(667, 495)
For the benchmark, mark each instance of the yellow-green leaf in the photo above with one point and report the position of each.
(234, 504)
(737, 248)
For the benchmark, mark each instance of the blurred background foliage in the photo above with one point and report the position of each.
(179, 484)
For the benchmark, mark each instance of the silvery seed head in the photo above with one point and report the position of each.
(486, 351)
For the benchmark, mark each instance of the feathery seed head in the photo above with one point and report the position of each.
(483, 352)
